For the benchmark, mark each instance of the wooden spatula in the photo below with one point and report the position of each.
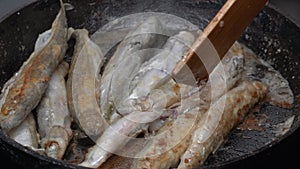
(216, 39)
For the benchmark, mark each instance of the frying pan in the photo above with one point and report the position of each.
(271, 35)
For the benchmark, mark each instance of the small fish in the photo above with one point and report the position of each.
(219, 120)
(22, 93)
(142, 114)
(54, 118)
(83, 78)
(116, 136)
(151, 74)
(279, 91)
(158, 99)
(26, 133)
(145, 36)
(130, 128)
(161, 66)
(226, 74)
(165, 149)
(123, 75)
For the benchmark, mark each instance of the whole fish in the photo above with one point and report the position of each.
(26, 133)
(165, 149)
(161, 66)
(54, 118)
(145, 36)
(153, 72)
(279, 91)
(225, 75)
(129, 126)
(116, 136)
(158, 99)
(219, 120)
(97, 155)
(83, 78)
(22, 93)
(223, 78)
(123, 75)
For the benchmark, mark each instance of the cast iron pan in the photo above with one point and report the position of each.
(271, 35)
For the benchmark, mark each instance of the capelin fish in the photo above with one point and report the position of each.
(279, 92)
(22, 93)
(223, 78)
(129, 126)
(219, 120)
(151, 75)
(158, 99)
(54, 118)
(117, 136)
(145, 36)
(159, 67)
(123, 75)
(165, 149)
(26, 133)
(105, 147)
(225, 75)
(83, 78)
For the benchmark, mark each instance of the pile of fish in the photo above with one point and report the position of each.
(131, 97)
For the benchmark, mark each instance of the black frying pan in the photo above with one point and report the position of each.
(267, 33)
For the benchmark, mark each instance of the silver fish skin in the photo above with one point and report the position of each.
(42, 39)
(157, 100)
(144, 37)
(123, 75)
(54, 118)
(26, 133)
(226, 74)
(219, 120)
(279, 92)
(83, 78)
(117, 136)
(22, 93)
(160, 66)
(165, 150)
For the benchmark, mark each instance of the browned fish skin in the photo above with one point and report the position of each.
(23, 92)
(223, 115)
(81, 85)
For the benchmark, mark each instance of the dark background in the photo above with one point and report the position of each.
(282, 155)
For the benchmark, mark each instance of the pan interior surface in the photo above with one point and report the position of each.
(271, 36)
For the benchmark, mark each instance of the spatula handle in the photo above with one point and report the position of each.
(217, 38)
